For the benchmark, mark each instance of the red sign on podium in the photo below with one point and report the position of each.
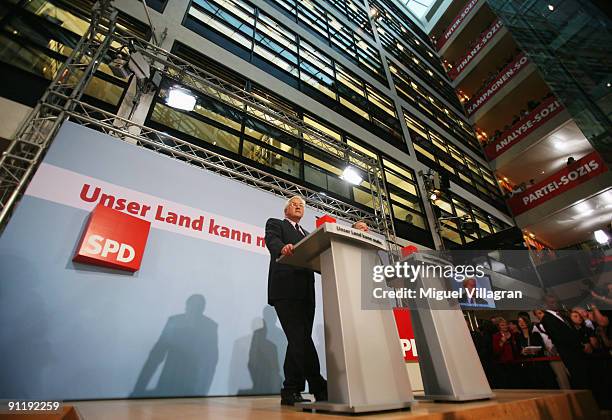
(325, 219)
(403, 321)
(113, 239)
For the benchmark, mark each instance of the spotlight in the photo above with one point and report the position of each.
(468, 227)
(433, 196)
(551, 7)
(119, 67)
(351, 176)
(601, 237)
(180, 98)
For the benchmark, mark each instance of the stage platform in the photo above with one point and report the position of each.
(508, 404)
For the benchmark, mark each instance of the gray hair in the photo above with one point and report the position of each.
(288, 202)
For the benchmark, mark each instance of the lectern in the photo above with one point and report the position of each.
(365, 365)
(450, 366)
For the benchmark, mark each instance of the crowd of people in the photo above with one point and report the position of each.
(550, 348)
(494, 74)
(510, 190)
(526, 110)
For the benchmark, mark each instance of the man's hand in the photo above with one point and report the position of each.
(287, 249)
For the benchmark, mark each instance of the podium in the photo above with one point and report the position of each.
(365, 366)
(450, 366)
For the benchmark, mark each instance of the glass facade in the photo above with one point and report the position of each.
(407, 57)
(314, 16)
(436, 152)
(244, 133)
(37, 36)
(409, 90)
(389, 11)
(333, 59)
(451, 205)
(274, 48)
(572, 47)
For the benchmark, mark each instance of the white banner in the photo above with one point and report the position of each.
(72, 189)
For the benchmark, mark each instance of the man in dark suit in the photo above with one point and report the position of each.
(291, 292)
(469, 284)
(567, 342)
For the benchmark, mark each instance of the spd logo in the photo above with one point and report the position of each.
(113, 239)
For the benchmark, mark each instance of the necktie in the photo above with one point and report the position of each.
(299, 229)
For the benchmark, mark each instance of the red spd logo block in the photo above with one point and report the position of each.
(113, 239)
(403, 321)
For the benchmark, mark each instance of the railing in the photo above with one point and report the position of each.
(524, 127)
(579, 172)
(456, 23)
(475, 49)
(502, 80)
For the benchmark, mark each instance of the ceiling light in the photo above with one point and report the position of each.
(433, 196)
(551, 7)
(351, 176)
(559, 145)
(601, 237)
(608, 84)
(180, 98)
(583, 206)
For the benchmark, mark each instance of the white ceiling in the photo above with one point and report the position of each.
(418, 7)
(547, 156)
(576, 223)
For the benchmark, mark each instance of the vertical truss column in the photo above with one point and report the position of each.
(20, 160)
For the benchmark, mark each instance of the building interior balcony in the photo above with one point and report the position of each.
(467, 34)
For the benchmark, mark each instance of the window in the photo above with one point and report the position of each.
(454, 206)
(38, 37)
(200, 130)
(351, 92)
(158, 5)
(388, 12)
(276, 44)
(234, 19)
(282, 53)
(436, 151)
(252, 135)
(403, 193)
(409, 90)
(312, 15)
(317, 70)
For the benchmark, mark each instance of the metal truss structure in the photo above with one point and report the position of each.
(19, 162)
(63, 100)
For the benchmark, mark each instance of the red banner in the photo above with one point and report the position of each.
(406, 333)
(519, 131)
(569, 177)
(504, 77)
(461, 64)
(456, 23)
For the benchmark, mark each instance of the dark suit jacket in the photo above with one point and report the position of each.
(285, 281)
(478, 300)
(564, 337)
